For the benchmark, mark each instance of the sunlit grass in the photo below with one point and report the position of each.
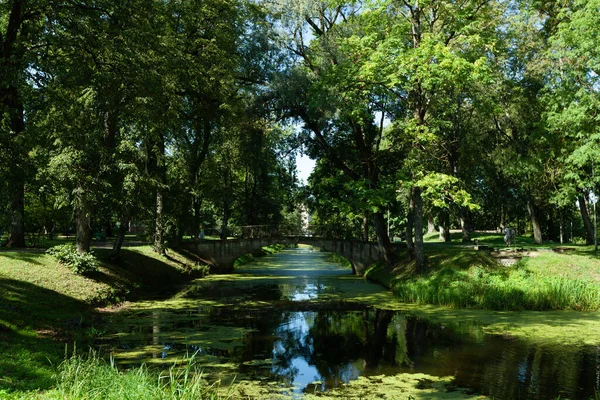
(44, 271)
(496, 240)
(139, 266)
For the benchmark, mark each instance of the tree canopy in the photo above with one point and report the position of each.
(173, 117)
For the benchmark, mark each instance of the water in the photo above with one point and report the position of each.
(294, 319)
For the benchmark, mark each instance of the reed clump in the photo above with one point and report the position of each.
(461, 278)
(92, 377)
(515, 289)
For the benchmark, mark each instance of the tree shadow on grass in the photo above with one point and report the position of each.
(588, 252)
(458, 258)
(146, 277)
(35, 325)
(30, 256)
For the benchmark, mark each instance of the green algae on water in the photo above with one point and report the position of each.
(401, 387)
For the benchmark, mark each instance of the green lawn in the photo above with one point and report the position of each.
(496, 240)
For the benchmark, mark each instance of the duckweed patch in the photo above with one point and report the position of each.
(400, 386)
(568, 328)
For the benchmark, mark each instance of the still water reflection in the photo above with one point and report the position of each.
(293, 318)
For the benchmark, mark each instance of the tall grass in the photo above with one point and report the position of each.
(509, 289)
(91, 377)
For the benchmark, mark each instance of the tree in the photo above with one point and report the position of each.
(91, 77)
(430, 49)
(20, 32)
(573, 99)
(338, 112)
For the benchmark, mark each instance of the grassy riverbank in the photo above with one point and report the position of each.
(91, 377)
(45, 309)
(457, 276)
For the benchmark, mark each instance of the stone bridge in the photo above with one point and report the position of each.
(221, 254)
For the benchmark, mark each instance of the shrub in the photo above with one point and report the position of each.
(67, 254)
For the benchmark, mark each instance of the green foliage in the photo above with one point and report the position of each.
(441, 189)
(572, 98)
(80, 263)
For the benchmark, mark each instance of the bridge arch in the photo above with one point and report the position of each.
(221, 254)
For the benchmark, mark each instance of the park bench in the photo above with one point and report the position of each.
(480, 246)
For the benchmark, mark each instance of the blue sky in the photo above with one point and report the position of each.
(305, 166)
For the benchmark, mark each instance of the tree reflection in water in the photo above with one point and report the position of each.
(334, 347)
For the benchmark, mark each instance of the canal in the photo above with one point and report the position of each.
(293, 325)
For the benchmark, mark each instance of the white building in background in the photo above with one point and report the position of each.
(304, 219)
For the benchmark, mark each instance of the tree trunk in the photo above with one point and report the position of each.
(410, 219)
(418, 216)
(83, 224)
(444, 218)
(16, 173)
(383, 240)
(197, 203)
(160, 224)
(587, 223)
(112, 174)
(116, 250)
(561, 233)
(110, 131)
(16, 187)
(11, 107)
(464, 224)
(224, 229)
(502, 219)
(535, 221)
(365, 229)
(430, 225)
(159, 230)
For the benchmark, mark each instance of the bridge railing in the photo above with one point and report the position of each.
(264, 231)
(322, 231)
